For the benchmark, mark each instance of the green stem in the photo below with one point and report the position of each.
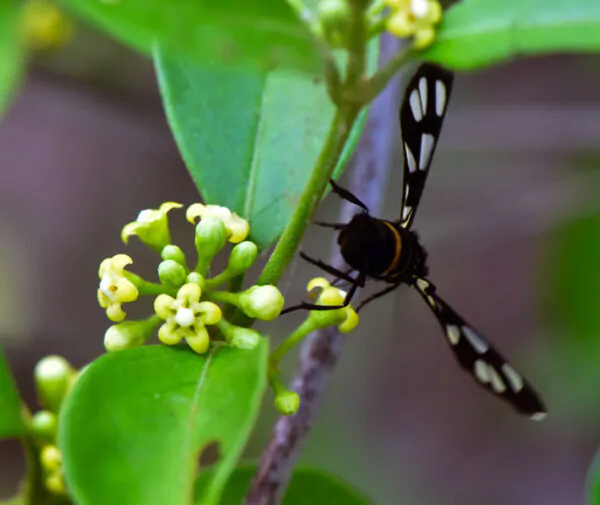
(366, 91)
(297, 336)
(235, 285)
(311, 196)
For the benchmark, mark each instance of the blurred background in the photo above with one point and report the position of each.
(510, 217)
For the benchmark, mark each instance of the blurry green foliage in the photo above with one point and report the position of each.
(11, 420)
(11, 51)
(136, 422)
(478, 33)
(267, 32)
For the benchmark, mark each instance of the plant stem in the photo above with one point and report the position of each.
(311, 196)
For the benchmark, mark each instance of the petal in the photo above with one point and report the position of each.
(210, 312)
(332, 296)
(189, 292)
(434, 15)
(105, 267)
(238, 228)
(400, 24)
(424, 37)
(115, 313)
(126, 290)
(163, 306)
(199, 342)
(218, 212)
(103, 299)
(128, 230)
(167, 206)
(194, 211)
(120, 261)
(167, 334)
(351, 321)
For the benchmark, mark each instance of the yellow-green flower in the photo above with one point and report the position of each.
(115, 289)
(237, 228)
(320, 289)
(151, 227)
(186, 317)
(414, 18)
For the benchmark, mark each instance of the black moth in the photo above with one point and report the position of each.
(390, 251)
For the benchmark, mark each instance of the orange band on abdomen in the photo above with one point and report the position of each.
(397, 249)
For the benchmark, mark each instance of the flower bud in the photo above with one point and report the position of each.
(237, 336)
(287, 402)
(335, 17)
(171, 273)
(151, 227)
(55, 483)
(53, 376)
(211, 236)
(50, 457)
(129, 334)
(44, 424)
(173, 252)
(196, 278)
(242, 257)
(262, 302)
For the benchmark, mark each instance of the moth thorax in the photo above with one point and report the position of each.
(368, 245)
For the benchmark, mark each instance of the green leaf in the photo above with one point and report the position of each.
(250, 138)
(11, 51)
(11, 419)
(478, 33)
(134, 425)
(266, 32)
(307, 486)
(571, 292)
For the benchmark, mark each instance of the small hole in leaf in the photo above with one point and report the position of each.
(209, 454)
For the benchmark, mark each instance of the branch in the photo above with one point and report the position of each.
(322, 349)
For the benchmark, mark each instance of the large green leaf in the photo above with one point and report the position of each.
(249, 138)
(11, 419)
(267, 32)
(134, 425)
(477, 33)
(11, 51)
(307, 486)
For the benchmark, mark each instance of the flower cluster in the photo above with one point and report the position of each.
(414, 18)
(54, 378)
(186, 300)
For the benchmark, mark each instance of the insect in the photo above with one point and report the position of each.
(390, 251)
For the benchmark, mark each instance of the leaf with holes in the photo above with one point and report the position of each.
(307, 486)
(11, 51)
(250, 138)
(11, 419)
(478, 33)
(137, 421)
(268, 32)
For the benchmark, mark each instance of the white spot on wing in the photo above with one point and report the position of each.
(482, 371)
(475, 340)
(415, 105)
(497, 382)
(514, 379)
(440, 98)
(412, 164)
(422, 284)
(453, 334)
(406, 212)
(538, 416)
(427, 143)
(423, 93)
